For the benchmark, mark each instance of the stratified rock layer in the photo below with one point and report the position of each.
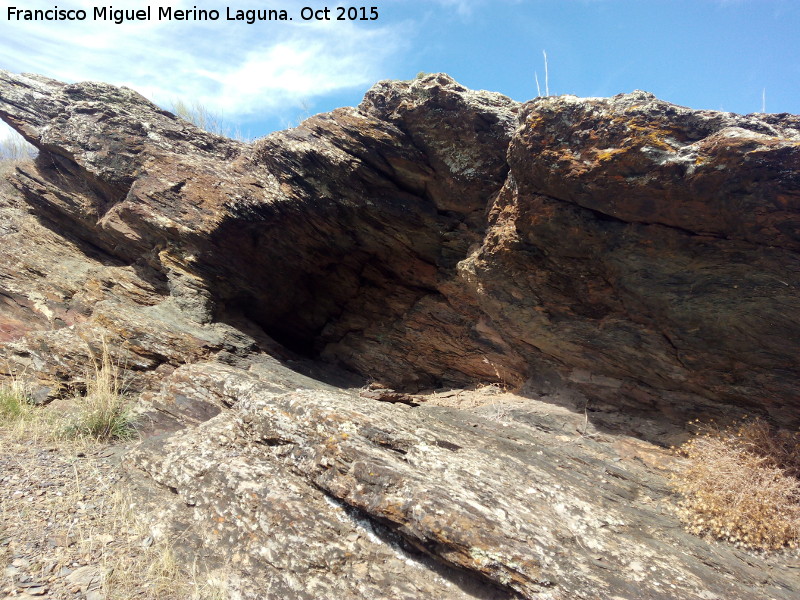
(630, 262)
(439, 235)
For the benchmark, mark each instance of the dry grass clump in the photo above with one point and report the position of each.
(105, 412)
(19, 416)
(14, 404)
(742, 484)
(200, 115)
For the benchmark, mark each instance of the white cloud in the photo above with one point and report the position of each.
(231, 67)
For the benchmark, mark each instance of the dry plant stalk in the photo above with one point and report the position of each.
(742, 484)
(105, 414)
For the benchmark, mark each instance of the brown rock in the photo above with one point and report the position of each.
(637, 254)
(624, 257)
(387, 395)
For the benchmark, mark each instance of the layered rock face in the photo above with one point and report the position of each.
(437, 235)
(630, 263)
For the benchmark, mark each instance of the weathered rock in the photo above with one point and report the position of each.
(626, 257)
(382, 394)
(649, 248)
(542, 505)
(629, 241)
(276, 534)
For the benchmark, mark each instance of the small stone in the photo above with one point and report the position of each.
(104, 539)
(61, 540)
(37, 590)
(85, 577)
(10, 571)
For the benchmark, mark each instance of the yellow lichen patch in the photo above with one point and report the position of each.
(647, 132)
(535, 119)
(606, 155)
(651, 137)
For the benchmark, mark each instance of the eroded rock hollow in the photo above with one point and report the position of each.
(630, 263)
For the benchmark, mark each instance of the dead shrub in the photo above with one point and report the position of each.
(742, 484)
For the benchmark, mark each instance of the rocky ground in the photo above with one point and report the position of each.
(69, 528)
(57, 524)
(73, 525)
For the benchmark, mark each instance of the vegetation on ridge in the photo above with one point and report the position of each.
(13, 147)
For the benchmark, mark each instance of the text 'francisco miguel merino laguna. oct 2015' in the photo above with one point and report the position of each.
(167, 13)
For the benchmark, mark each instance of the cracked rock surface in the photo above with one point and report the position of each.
(623, 264)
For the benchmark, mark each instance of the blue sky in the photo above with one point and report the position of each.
(714, 54)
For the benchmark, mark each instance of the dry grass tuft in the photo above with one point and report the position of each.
(742, 484)
(105, 412)
(200, 115)
(19, 417)
(14, 404)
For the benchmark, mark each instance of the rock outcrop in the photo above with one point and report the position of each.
(623, 264)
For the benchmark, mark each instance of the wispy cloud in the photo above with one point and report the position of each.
(467, 7)
(463, 7)
(231, 67)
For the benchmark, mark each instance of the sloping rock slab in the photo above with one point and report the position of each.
(534, 513)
